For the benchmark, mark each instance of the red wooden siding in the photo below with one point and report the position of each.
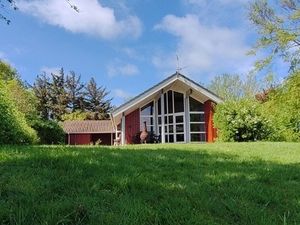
(79, 139)
(211, 132)
(86, 139)
(132, 125)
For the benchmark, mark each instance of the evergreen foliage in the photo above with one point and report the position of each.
(62, 97)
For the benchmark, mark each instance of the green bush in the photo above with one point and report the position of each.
(283, 109)
(241, 121)
(13, 126)
(49, 131)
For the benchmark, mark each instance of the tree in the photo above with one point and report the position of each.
(75, 91)
(96, 100)
(41, 89)
(278, 25)
(283, 108)
(227, 86)
(233, 87)
(13, 127)
(58, 96)
(11, 4)
(7, 73)
(23, 98)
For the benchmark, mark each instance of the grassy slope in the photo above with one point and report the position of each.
(247, 183)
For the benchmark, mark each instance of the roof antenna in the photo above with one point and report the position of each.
(178, 68)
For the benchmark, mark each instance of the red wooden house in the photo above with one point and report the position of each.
(177, 109)
(89, 132)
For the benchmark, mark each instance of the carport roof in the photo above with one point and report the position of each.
(88, 127)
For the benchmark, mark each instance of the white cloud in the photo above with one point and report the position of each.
(3, 58)
(205, 2)
(119, 93)
(2, 55)
(120, 96)
(93, 18)
(203, 48)
(122, 69)
(49, 70)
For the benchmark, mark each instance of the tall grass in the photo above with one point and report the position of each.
(250, 183)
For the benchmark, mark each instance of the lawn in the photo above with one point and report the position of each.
(238, 183)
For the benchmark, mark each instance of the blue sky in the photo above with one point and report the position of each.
(128, 45)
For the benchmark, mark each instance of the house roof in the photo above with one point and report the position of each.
(163, 84)
(88, 126)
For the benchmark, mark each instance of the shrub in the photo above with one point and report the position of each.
(241, 121)
(13, 126)
(283, 109)
(49, 131)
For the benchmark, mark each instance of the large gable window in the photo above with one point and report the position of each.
(173, 116)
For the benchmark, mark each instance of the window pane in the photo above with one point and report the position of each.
(147, 110)
(198, 137)
(178, 102)
(171, 138)
(179, 128)
(198, 127)
(179, 119)
(196, 106)
(166, 138)
(159, 120)
(195, 137)
(166, 120)
(150, 129)
(148, 120)
(180, 137)
(197, 117)
(171, 129)
(170, 119)
(203, 137)
(170, 102)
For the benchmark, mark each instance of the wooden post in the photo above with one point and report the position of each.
(162, 100)
(123, 129)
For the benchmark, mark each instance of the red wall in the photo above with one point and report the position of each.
(132, 125)
(86, 139)
(80, 139)
(211, 132)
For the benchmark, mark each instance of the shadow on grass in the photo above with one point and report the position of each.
(120, 186)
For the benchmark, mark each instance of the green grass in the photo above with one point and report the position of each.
(238, 183)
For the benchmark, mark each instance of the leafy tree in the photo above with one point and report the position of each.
(75, 91)
(283, 108)
(233, 87)
(13, 127)
(278, 25)
(7, 73)
(97, 102)
(23, 98)
(227, 86)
